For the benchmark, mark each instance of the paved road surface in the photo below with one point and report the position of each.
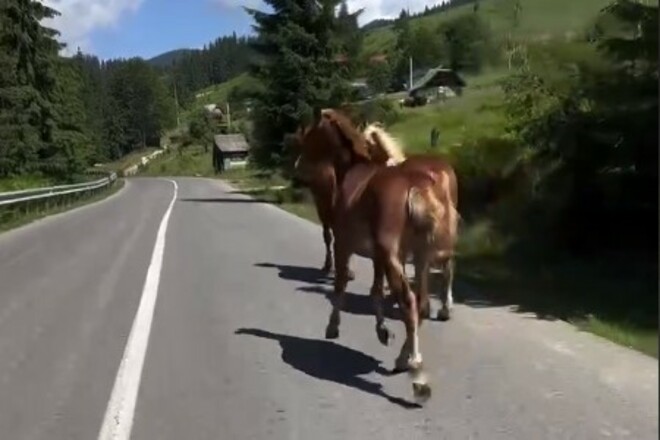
(236, 348)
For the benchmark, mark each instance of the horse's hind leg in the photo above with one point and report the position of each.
(377, 296)
(422, 284)
(410, 357)
(341, 279)
(446, 295)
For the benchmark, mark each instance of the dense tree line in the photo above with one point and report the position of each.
(428, 10)
(219, 61)
(59, 115)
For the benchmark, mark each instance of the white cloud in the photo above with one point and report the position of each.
(79, 18)
(234, 4)
(373, 9)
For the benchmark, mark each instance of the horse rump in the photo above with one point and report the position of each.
(432, 221)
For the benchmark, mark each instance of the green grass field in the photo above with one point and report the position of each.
(218, 93)
(539, 20)
(473, 115)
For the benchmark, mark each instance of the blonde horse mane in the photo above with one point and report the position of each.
(345, 126)
(385, 142)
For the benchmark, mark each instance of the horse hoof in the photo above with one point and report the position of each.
(444, 315)
(401, 365)
(331, 333)
(384, 335)
(425, 313)
(421, 392)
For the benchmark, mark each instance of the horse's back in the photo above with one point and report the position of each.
(437, 165)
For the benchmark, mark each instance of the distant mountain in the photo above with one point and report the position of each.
(166, 59)
(377, 23)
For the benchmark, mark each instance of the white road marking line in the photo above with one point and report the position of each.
(118, 419)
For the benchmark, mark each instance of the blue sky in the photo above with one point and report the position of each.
(126, 28)
(162, 25)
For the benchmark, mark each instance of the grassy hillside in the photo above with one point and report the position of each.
(539, 19)
(218, 93)
(474, 115)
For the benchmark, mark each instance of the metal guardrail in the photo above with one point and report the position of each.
(29, 195)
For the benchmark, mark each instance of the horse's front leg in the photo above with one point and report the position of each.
(327, 265)
(342, 254)
(327, 239)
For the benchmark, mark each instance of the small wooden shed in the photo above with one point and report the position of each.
(436, 78)
(229, 151)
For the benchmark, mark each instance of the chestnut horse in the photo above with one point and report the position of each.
(385, 148)
(378, 211)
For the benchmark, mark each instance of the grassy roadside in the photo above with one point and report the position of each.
(10, 219)
(124, 162)
(548, 292)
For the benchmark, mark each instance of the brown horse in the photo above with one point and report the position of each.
(317, 172)
(385, 149)
(378, 211)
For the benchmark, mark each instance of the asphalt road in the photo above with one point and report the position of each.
(236, 348)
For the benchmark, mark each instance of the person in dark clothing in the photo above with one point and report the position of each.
(435, 137)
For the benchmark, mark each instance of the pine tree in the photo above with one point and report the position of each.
(350, 37)
(70, 150)
(28, 51)
(296, 51)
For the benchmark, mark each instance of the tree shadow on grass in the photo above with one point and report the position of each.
(329, 361)
(554, 293)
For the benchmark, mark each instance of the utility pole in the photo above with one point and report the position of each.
(410, 60)
(176, 106)
(228, 118)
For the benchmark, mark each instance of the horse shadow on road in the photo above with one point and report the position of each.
(329, 361)
(319, 283)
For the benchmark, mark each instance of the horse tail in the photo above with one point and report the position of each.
(436, 221)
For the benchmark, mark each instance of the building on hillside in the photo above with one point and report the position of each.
(229, 151)
(214, 112)
(438, 83)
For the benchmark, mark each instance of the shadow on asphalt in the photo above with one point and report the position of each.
(329, 361)
(319, 283)
(358, 304)
(299, 273)
(224, 200)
